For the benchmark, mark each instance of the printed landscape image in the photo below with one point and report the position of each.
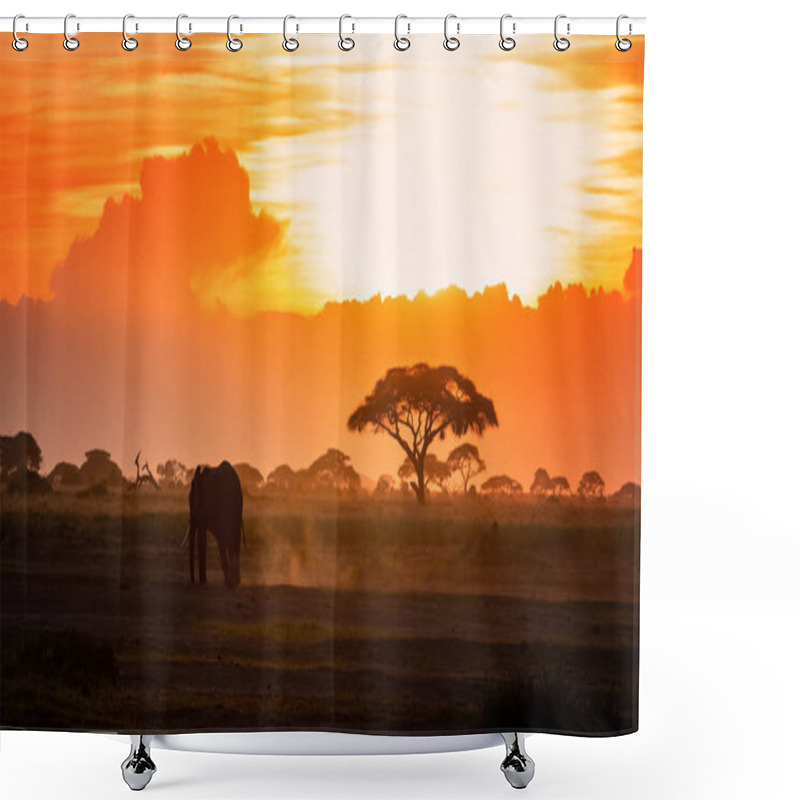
(320, 387)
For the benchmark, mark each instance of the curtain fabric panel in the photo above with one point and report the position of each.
(320, 385)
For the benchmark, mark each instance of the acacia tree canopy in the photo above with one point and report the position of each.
(467, 462)
(334, 471)
(501, 484)
(541, 482)
(283, 478)
(591, 485)
(435, 470)
(416, 405)
(559, 485)
(19, 453)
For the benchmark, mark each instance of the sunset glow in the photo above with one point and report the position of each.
(173, 219)
(351, 125)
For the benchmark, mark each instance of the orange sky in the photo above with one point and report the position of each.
(428, 136)
(182, 276)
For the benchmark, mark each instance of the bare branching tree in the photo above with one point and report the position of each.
(143, 475)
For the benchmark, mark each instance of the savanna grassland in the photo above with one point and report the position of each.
(355, 613)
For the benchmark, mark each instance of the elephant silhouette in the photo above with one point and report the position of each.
(215, 504)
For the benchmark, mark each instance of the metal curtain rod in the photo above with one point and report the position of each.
(459, 25)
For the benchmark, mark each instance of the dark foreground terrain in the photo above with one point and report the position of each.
(352, 615)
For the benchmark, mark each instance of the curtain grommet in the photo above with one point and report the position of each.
(233, 44)
(17, 42)
(129, 43)
(507, 43)
(451, 43)
(401, 43)
(561, 43)
(290, 44)
(623, 45)
(346, 43)
(182, 42)
(71, 43)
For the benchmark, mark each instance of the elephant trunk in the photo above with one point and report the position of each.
(231, 570)
(237, 576)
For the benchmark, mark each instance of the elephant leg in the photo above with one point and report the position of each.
(224, 561)
(191, 555)
(201, 548)
(235, 573)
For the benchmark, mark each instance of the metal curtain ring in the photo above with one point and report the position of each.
(233, 44)
(18, 43)
(289, 44)
(181, 41)
(401, 42)
(506, 42)
(561, 43)
(623, 45)
(345, 42)
(70, 42)
(451, 42)
(128, 42)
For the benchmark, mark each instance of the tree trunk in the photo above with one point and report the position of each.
(420, 487)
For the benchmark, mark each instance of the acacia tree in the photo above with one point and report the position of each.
(501, 484)
(19, 453)
(172, 474)
(467, 462)
(250, 477)
(435, 471)
(332, 471)
(282, 478)
(416, 405)
(591, 485)
(541, 483)
(385, 485)
(98, 468)
(64, 474)
(629, 493)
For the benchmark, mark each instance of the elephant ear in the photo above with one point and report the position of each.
(199, 475)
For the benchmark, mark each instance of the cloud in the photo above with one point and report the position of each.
(75, 128)
(191, 238)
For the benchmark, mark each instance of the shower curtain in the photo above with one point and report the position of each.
(320, 385)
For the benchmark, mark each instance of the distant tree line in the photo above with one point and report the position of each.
(332, 471)
(416, 406)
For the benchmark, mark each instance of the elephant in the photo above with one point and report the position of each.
(215, 504)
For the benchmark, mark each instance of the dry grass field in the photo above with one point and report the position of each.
(353, 614)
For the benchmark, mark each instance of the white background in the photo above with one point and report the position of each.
(720, 607)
